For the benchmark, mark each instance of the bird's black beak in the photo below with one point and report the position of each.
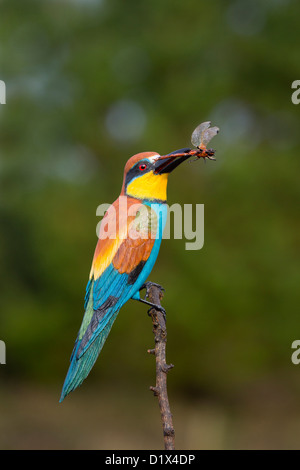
(168, 163)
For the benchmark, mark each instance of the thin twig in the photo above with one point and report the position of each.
(162, 368)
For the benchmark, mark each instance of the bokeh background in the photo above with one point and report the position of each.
(90, 83)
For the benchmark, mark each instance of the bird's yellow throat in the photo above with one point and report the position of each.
(149, 186)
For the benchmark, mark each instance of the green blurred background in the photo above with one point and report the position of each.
(90, 83)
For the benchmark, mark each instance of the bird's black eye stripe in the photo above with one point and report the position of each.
(143, 166)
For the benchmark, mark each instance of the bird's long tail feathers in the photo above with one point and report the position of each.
(80, 366)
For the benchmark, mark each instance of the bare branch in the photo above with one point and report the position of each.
(162, 368)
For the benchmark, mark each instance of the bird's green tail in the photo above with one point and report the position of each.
(80, 366)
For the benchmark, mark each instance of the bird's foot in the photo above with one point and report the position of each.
(147, 286)
(156, 306)
(160, 309)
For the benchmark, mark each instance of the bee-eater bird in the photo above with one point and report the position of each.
(123, 262)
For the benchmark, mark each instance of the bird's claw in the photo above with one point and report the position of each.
(160, 309)
(147, 285)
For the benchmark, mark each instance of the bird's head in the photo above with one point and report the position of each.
(146, 174)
